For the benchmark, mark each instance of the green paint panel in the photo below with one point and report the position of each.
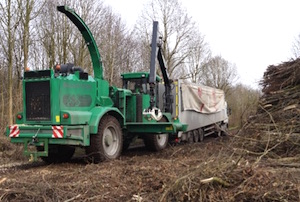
(131, 109)
(76, 94)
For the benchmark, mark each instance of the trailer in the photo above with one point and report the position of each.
(202, 108)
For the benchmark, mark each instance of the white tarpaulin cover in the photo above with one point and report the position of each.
(202, 99)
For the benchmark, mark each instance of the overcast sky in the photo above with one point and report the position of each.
(253, 34)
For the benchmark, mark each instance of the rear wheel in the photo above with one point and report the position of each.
(107, 144)
(157, 142)
(224, 128)
(58, 153)
(196, 135)
(190, 135)
(201, 134)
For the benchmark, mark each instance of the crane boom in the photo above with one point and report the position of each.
(156, 52)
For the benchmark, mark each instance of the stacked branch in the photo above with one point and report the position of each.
(276, 126)
(279, 107)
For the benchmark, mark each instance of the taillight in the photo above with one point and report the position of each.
(65, 116)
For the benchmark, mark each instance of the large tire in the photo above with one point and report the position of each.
(107, 144)
(58, 153)
(156, 142)
(224, 128)
(201, 134)
(190, 136)
(196, 135)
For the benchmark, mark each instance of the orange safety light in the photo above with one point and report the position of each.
(65, 116)
(27, 69)
(57, 67)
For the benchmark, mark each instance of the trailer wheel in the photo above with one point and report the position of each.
(57, 153)
(196, 135)
(107, 144)
(201, 134)
(224, 128)
(190, 135)
(157, 142)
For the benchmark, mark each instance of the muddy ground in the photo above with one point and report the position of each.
(232, 168)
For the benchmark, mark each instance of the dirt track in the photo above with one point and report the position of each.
(139, 174)
(180, 173)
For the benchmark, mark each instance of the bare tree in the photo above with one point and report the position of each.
(219, 73)
(28, 11)
(176, 28)
(54, 34)
(2, 93)
(112, 47)
(9, 22)
(243, 102)
(194, 63)
(29, 4)
(114, 41)
(62, 42)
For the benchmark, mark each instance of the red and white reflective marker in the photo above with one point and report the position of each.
(14, 131)
(58, 131)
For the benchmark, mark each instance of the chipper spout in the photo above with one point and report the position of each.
(88, 37)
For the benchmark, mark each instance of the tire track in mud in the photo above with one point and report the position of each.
(137, 149)
(7, 167)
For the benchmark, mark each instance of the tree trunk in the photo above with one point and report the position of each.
(10, 44)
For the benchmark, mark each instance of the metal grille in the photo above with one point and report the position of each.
(38, 101)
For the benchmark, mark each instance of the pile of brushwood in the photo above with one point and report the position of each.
(279, 108)
(277, 122)
(265, 153)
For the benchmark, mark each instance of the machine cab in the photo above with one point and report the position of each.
(137, 82)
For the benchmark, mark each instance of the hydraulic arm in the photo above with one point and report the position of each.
(156, 51)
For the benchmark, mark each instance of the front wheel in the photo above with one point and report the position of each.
(107, 143)
(156, 142)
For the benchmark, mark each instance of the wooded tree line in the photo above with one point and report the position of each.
(35, 35)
